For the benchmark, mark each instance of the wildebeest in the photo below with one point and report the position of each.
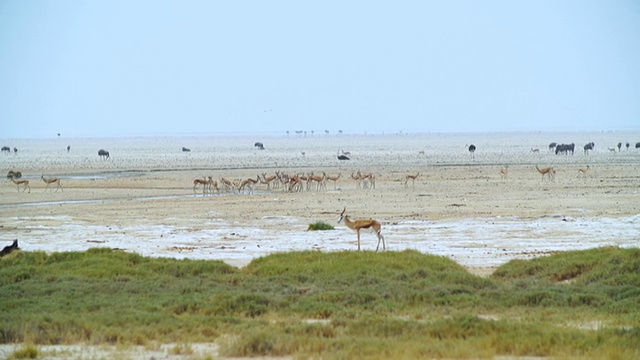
(68, 148)
(552, 146)
(14, 174)
(343, 157)
(6, 149)
(589, 146)
(15, 150)
(259, 145)
(627, 145)
(472, 150)
(185, 149)
(9, 249)
(103, 153)
(565, 148)
(638, 145)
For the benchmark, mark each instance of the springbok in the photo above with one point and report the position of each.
(50, 181)
(363, 224)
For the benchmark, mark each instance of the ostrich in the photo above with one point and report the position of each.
(472, 150)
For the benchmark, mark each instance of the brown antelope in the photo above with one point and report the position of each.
(206, 184)
(227, 185)
(582, 172)
(248, 183)
(295, 183)
(546, 171)
(358, 178)
(363, 224)
(412, 178)
(332, 178)
(268, 179)
(369, 180)
(318, 180)
(50, 181)
(504, 173)
(23, 182)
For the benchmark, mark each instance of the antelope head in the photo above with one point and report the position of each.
(342, 215)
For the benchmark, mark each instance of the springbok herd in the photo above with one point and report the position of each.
(310, 182)
(290, 182)
(280, 180)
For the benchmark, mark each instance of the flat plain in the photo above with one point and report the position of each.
(481, 209)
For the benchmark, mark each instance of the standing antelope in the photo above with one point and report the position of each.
(412, 178)
(50, 181)
(504, 173)
(546, 171)
(23, 182)
(268, 179)
(363, 224)
(582, 172)
(206, 184)
(333, 178)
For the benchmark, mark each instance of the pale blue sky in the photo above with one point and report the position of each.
(112, 68)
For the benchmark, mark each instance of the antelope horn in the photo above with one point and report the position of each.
(342, 213)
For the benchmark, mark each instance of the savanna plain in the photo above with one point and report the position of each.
(487, 255)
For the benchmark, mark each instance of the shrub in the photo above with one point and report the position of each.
(320, 225)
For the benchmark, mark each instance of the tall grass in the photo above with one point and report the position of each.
(331, 305)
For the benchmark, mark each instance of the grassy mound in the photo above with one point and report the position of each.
(330, 305)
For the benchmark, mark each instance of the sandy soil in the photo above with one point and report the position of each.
(461, 207)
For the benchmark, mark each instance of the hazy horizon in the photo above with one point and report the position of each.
(164, 68)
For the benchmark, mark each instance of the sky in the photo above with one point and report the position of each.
(136, 68)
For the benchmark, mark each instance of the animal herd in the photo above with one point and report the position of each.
(565, 149)
(310, 181)
(16, 178)
(279, 180)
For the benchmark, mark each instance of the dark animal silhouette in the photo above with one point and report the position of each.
(103, 153)
(185, 149)
(627, 145)
(619, 146)
(552, 146)
(6, 149)
(14, 174)
(588, 147)
(638, 145)
(565, 148)
(9, 249)
(68, 148)
(259, 145)
(343, 157)
(472, 150)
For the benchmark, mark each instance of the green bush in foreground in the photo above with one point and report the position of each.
(331, 305)
(320, 225)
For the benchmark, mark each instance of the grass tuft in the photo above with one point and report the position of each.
(320, 225)
(28, 351)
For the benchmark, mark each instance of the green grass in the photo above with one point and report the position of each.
(320, 225)
(331, 305)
